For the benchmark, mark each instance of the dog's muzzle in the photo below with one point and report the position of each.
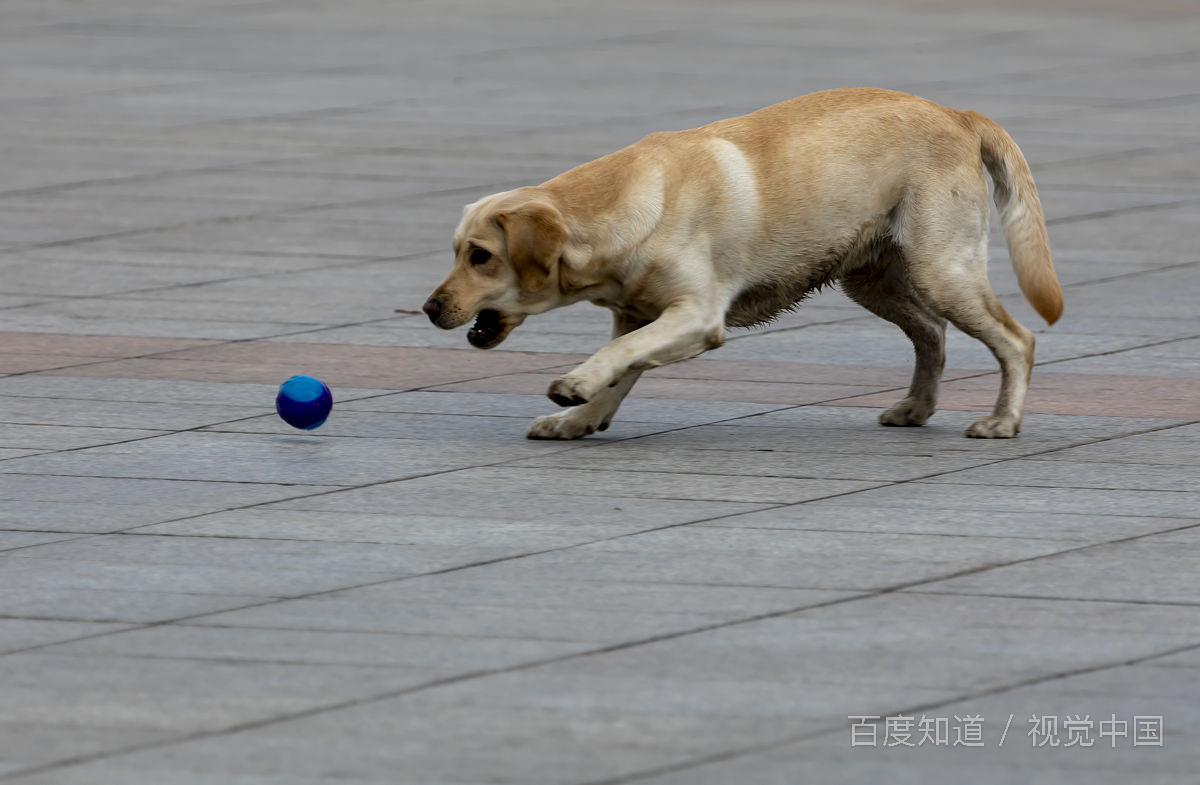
(433, 309)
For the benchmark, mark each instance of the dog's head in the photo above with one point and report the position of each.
(507, 249)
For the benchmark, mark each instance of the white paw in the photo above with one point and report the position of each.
(570, 391)
(571, 424)
(907, 412)
(993, 427)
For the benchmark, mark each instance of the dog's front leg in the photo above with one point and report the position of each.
(596, 414)
(684, 330)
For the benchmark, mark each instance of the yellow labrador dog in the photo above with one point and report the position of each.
(683, 234)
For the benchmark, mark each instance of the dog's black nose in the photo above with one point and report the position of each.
(432, 309)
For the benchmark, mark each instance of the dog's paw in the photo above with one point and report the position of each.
(566, 391)
(907, 412)
(563, 425)
(993, 427)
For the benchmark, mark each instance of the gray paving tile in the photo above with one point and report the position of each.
(643, 485)
(852, 561)
(26, 744)
(1167, 448)
(10, 540)
(935, 642)
(634, 409)
(58, 437)
(478, 538)
(1033, 501)
(84, 598)
(18, 634)
(447, 655)
(1178, 358)
(489, 585)
(417, 743)
(46, 502)
(183, 695)
(745, 460)
(222, 457)
(140, 318)
(1066, 473)
(845, 514)
(583, 625)
(1117, 572)
(153, 391)
(119, 414)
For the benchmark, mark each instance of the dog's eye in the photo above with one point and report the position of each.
(479, 256)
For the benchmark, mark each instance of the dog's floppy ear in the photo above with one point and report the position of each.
(535, 234)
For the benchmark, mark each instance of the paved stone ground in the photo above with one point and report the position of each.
(200, 198)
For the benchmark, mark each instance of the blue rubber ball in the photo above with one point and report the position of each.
(304, 402)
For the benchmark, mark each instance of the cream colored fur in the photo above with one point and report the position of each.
(683, 234)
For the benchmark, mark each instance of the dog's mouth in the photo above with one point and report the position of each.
(490, 328)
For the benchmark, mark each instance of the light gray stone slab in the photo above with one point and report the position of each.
(580, 625)
(120, 414)
(153, 391)
(1166, 448)
(742, 459)
(221, 457)
(82, 598)
(16, 634)
(184, 694)
(852, 561)
(466, 501)
(630, 486)
(448, 655)
(10, 540)
(1178, 359)
(1144, 570)
(471, 538)
(1080, 474)
(844, 514)
(6, 453)
(57, 437)
(634, 409)
(82, 517)
(486, 585)
(414, 743)
(142, 319)
(112, 495)
(25, 744)
(1032, 501)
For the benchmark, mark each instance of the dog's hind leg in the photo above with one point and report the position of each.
(596, 414)
(883, 289)
(950, 276)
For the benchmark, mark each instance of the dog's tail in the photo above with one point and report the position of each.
(1021, 216)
